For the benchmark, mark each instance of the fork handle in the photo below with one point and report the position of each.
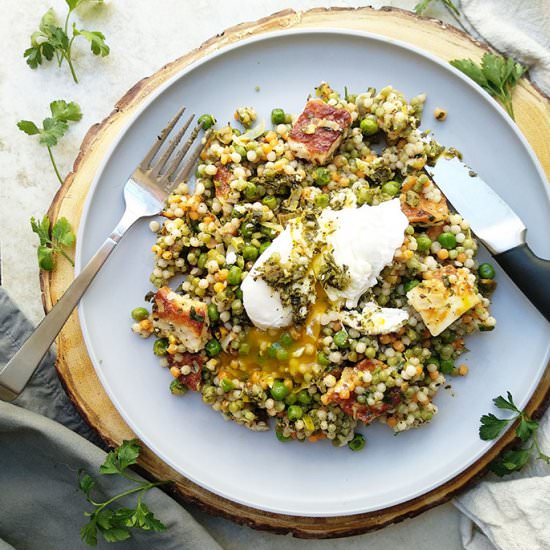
(19, 369)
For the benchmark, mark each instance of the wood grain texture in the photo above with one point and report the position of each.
(73, 364)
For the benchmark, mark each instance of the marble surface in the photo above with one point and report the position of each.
(143, 36)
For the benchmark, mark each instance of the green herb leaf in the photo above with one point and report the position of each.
(491, 426)
(61, 110)
(507, 404)
(42, 229)
(96, 40)
(62, 233)
(145, 519)
(86, 483)
(497, 75)
(526, 428)
(422, 6)
(29, 127)
(45, 258)
(53, 129)
(88, 533)
(122, 457)
(510, 461)
(115, 534)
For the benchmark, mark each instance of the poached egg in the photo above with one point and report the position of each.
(362, 240)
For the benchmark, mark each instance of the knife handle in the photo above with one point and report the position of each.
(530, 273)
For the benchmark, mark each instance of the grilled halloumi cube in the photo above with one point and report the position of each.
(426, 212)
(184, 319)
(444, 298)
(318, 131)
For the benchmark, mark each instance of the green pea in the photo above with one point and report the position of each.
(226, 385)
(286, 340)
(295, 412)
(212, 347)
(239, 294)
(321, 176)
(368, 126)
(357, 443)
(251, 191)
(202, 260)
(247, 229)
(234, 276)
(446, 352)
(250, 252)
(447, 240)
(304, 397)
(241, 150)
(139, 314)
(278, 116)
(423, 243)
(272, 350)
(281, 354)
(206, 121)
(244, 348)
(291, 398)
(160, 347)
(341, 339)
(486, 271)
(391, 188)
(269, 232)
(177, 388)
(264, 247)
(270, 202)
(447, 366)
(279, 391)
(323, 359)
(282, 438)
(409, 285)
(213, 313)
(321, 200)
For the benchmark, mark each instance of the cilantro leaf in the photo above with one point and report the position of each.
(86, 483)
(526, 428)
(88, 533)
(497, 75)
(54, 127)
(507, 404)
(491, 426)
(96, 40)
(61, 110)
(116, 524)
(52, 40)
(29, 127)
(510, 461)
(62, 236)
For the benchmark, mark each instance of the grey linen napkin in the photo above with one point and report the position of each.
(512, 513)
(40, 459)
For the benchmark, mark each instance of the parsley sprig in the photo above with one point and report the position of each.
(53, 127)
(52, 40)
(497, 75)
(422, 6)
(114, 524)
(514, 459)
(53, 242)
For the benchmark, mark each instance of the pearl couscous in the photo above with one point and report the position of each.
(334, 367)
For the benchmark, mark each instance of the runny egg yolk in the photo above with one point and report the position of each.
(273, 355)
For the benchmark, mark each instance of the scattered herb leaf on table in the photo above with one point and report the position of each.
(53, 242)
(514, 459)
(115, 524)
(53, 127)
(497, 75)
(52, 40)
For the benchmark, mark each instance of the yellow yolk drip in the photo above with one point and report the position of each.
(259, 367)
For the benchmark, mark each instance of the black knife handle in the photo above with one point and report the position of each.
(530, 273)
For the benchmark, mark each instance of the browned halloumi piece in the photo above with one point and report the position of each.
(426, 212)
(183, 318)
(444, 298)
(318, 131)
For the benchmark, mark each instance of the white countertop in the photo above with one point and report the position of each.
(143, 36)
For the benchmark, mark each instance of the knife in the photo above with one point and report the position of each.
(497, 226)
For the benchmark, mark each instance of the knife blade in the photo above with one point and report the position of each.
(497, 226)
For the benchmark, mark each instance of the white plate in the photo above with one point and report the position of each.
(254, 468)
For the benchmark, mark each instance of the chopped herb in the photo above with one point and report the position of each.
(196, 316)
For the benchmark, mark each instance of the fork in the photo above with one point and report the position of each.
(144, 195)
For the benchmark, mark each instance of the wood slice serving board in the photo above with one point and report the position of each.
(73, 364)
